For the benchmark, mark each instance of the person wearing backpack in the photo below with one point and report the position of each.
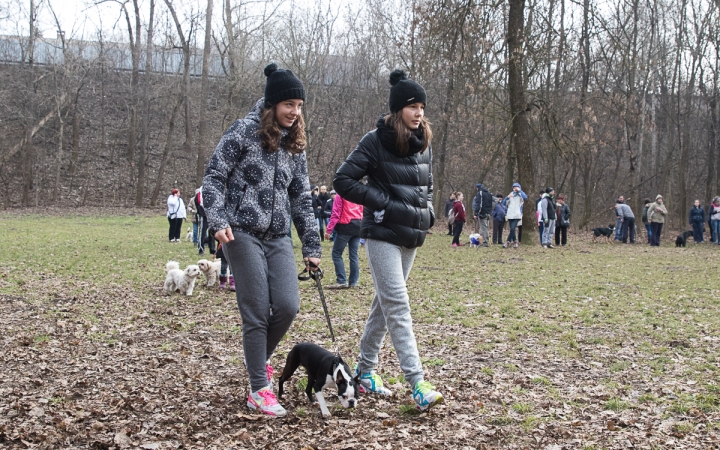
(446, 212)
(482, 208)
(498, 216)
(514, 203)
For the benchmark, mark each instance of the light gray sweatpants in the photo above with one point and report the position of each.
(267, 296)
(390, 266)
(548, 233)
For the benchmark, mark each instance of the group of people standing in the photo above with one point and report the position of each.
(553, 216)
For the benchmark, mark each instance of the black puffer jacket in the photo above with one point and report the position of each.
(402, 186)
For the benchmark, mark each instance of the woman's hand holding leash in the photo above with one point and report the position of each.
(225, 235)
(312, 264)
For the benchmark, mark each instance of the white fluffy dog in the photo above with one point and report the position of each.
(182, 281)
(189, 234)
(476, 240)
(211, 270)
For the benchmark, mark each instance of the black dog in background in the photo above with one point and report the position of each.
(602, 232)
(681, 240)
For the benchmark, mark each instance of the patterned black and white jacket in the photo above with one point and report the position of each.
(258, 192)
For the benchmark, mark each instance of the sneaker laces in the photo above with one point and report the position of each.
(268, 397)
(424, 387)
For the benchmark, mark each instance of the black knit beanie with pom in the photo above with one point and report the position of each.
(404, 91)
(281, 85)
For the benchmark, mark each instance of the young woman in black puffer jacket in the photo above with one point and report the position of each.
(397, 213)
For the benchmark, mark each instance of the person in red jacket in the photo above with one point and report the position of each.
(345, 222)
(459, 210)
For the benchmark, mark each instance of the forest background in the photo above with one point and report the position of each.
(595, 99)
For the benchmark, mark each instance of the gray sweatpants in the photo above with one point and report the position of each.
(484, 230)
(390, 266)
(548, 233)
(267, 296)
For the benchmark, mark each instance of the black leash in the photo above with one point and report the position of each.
(317, 276)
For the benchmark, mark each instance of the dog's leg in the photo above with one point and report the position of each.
(323, 406)
(309, 388)
(291, 365)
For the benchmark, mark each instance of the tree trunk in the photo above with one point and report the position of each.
(519, 112)
(204, 92)
(143, 151)
(166, 152)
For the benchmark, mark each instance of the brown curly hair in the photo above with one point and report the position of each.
(394, 121)
(271, 133)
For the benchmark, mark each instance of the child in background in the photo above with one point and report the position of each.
(224, 280)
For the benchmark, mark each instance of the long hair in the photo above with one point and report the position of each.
(394, 121)
(271, 134)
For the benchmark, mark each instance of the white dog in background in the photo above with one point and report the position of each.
(182, 281)
(476, 240)
(189, 234)
(211, 270)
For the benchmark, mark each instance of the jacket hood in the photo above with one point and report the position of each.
(478, 186)
(254, 114)
(658, 196)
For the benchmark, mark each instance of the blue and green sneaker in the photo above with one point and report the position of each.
(426, 396)
(371, 382)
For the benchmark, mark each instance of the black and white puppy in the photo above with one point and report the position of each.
(323, 369)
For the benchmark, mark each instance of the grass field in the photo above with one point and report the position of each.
(585, 347)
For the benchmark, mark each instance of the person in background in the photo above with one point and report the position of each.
(548, 217)
(627, 219)
(327, 210)
(323, 197)
(204, 237)
(618, 219)
(538, 215)
(714, 218)
(176, 212)
(448, 207)
(459, 210)
(644, 218)
(656, 217)
(562, 212)
(396, 158)
(192, 212)
(318, 210)
(482, 205)
(697, 221)
(224, 279)
(514, 204)
(498, 216)
(256, 183)
(345, 225)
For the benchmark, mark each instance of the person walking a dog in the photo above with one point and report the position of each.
(396, 157)
(656, 218)
(697, 221)
(255, 184)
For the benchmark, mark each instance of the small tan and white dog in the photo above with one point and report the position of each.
(189, 234)
(211, 270)
(182, 281)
